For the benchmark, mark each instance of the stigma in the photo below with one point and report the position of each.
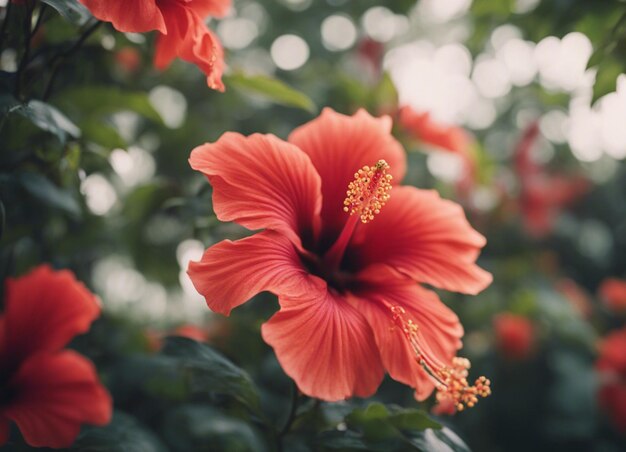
(450, 379)
(369, 191)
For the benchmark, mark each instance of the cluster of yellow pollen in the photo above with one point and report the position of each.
(450, 381)
(454, 387)
(369, 191)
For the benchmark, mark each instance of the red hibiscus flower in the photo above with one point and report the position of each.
(346, 269)
(47, 391)
(181, 27)
(543, 195)
(613, 294)
(514, 335)
(611, 365)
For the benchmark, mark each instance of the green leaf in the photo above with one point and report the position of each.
(96, 102)
(123, 433)
(206, 371)
(71, 10)
(41, 188)
(271, 89)
(336, 439)
(442, 439)
(413, 420)
(380, 427)
(404, 419)
(606, 78)
(193, 427)
(47, 118)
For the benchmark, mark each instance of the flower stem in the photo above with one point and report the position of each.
(5, 22)
(291, 416)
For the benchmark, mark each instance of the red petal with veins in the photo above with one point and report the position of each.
(439, 328)
(325, 345)
(424, 237)
(340, 145)
(230, 273)
(262, 182)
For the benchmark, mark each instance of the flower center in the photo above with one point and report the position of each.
(369, 191)
(450, 381)
(366, 196)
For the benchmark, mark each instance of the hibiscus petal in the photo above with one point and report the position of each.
(338, 146)
(214, 8)
(426, 238)
(439, 328)
(262, 182)
(189, 38)
(425, 129)
(230, 273)
(128, 16)
(325, 345)
(55, 394)
(44, 310)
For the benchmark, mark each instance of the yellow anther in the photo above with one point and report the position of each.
(450, 380)
(369, 191)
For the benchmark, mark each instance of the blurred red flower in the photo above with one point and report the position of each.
(543, 195)
(182, 30)
(370, 53)
(576, 295)
(128, 59)
(427, 130)
(613, 294)
(346, 269)
(47, 391)
(611, 365)
(423, 128)
(514, 335)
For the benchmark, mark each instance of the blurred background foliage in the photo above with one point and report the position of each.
(94, 177)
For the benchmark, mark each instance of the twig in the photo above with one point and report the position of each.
(42, 13)
(57, 61)
(5, 21)
(26, 55)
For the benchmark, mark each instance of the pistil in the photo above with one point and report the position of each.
(450, 380)
(365, 197)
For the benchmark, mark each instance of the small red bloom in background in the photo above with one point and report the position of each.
(448, 138)
(346, 255)
(611, 365)
(182, 30)
(514, 335)
(576, 295)
(543, 195)
(370, 52)
(128, 59)
(46, 390)
(425, 129)
(612, 292)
